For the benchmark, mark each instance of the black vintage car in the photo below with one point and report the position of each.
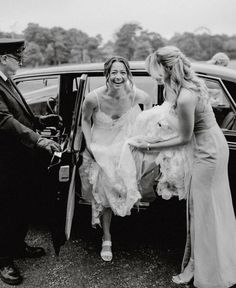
(61, 90)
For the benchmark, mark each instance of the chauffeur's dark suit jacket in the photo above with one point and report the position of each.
(17, 142)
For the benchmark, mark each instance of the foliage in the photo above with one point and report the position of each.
(55, 46)
(146, 43)
(204, 46)
(126, 40)
(32, 55)
(134, 43)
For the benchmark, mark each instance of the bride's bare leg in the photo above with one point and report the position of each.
(106, 253)
(106, 224)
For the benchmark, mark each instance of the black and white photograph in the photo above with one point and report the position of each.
(118, 144)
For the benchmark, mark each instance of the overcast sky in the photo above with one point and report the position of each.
(105, 17)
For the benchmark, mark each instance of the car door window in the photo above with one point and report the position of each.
(37, 93)
(149, 85)
(95, 82)
(217, 94)
(224, 113)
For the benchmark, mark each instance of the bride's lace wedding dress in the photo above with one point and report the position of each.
(101, 182)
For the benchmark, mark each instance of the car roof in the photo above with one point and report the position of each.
(199, 67)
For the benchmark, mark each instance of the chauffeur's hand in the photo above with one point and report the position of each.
(51, 120)
(48, 145)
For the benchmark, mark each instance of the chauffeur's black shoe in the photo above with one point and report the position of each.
(31, 252)
(10, 274)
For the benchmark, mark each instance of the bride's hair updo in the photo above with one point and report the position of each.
(177, 69)
(108, 64)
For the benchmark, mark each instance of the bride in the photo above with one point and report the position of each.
(107, 121)
(112, 173)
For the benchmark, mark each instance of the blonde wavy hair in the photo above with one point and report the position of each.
(178, 70)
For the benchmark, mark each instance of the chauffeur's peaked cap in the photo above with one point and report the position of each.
(11, 46)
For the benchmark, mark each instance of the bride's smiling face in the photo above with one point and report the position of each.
(118, 75)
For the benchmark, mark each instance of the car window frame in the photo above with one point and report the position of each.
(26, 78)
(227, 93)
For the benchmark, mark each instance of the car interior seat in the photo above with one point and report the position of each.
(229, 121)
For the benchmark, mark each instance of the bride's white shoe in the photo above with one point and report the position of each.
(106, 255)
(186, 276)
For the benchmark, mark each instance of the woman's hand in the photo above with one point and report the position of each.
(139, 144)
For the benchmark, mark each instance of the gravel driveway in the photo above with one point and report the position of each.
(147, 247)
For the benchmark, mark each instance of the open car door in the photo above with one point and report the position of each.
(231, 139)
(62, 175)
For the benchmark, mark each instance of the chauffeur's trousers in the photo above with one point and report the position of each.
(15, 186)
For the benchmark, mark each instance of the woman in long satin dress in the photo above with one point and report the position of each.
(108, 115)
(210, 254)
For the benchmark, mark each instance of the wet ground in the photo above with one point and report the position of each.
(147, 248)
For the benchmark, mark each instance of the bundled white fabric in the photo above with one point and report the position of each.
(158, 124)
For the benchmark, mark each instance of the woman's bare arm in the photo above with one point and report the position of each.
(185, 108)
(144, 98)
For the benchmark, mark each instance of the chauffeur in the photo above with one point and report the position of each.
(18, 144)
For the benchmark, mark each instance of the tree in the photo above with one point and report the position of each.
(230, 47)
(59, 44)
(155, 39)
(126, 39)
(49, 55)
(143, 49)
(76, 54)
(107, 50)
(93, 51)
(32, 55)
(187, 43)
(77, 44)
(146, 43)
(39, 35)
(10, 35)
(205, 42)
